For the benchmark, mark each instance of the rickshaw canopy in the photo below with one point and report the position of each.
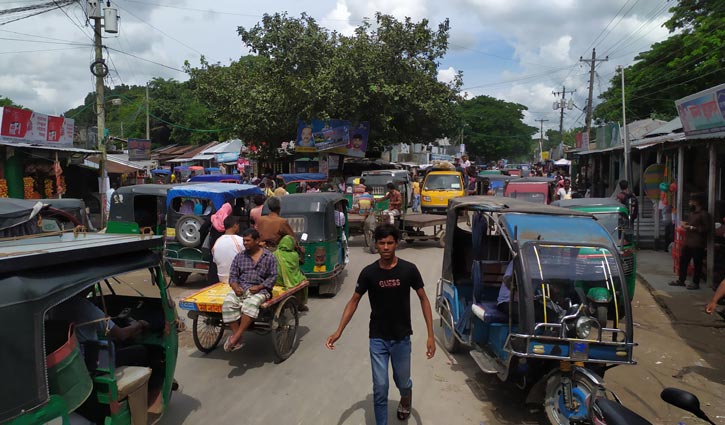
(14, 212)
(302, 177)
(217, 193)
(161, 171)
(591, 203)
(509, 208)
(216, 178)
(315, 212)
(28, 291)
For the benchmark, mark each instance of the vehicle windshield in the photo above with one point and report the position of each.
(615, 223)
(566, 275)
(442, 182)
(536, 197)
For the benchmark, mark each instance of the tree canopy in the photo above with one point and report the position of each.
(385, 74)
(690, 60)
(493, 129)
(5, 101)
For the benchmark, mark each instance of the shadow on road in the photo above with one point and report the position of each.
(367, 407)
(181, 406)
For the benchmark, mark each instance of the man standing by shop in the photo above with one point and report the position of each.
(696, 231)
(388, 282)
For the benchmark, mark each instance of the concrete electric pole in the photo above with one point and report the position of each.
(99, 69)
(592, 62)
(561, 104)
(541, 140)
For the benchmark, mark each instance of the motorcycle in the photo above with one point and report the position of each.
(612, 412)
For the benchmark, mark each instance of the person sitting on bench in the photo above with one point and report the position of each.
(503, 302)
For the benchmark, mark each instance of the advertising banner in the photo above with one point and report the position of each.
(227, 157)
(703, 112)
(608, 136)
(333, 136)
(139, 150)
(26, 126)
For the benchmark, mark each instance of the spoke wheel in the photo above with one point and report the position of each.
(450, 342)
(583, 392)
(284, 329)
(207, 332)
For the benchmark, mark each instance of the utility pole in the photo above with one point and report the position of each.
(541, 140)
(592, 62)
(100, 71)
(148, 131)
(627, 165)
(561, 105)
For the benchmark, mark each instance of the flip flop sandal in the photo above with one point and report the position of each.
(404, 412)
(228, 345)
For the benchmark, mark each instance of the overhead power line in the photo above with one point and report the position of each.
(146, 60)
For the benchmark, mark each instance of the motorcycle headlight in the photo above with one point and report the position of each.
(585, 326)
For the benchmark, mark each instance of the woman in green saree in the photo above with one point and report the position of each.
(289, 274)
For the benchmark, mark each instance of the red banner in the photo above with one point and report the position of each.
(23, 125)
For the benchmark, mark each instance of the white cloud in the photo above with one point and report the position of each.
(447, 75)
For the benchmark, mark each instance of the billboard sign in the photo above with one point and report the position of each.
(333, 136)
(227, 157)
(26, 126)
(703, 112)
(139, 150)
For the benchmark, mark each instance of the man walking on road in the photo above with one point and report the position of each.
(388, 282)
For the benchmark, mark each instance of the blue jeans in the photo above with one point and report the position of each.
(397, 351)
(416, 203)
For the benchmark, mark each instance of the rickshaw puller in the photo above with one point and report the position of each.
(396, 203)
(251, 277)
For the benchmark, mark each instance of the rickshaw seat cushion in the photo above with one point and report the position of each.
(488, 312)
(487, 277)
(130, 379)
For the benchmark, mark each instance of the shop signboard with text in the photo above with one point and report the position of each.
(139, 149)
(703, 112)
(25, 126)
(333, 136)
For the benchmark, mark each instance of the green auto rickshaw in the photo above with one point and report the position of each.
(60, 368)
(319, 221)
(614, 217)
(139, 208)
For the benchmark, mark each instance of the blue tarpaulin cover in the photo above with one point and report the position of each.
(302, 177)
(217, 193)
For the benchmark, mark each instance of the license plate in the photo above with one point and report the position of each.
(579, 351)
(171, 232)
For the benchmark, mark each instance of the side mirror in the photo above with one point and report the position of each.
(685, 401)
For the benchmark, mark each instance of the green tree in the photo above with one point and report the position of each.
(385, 74)
(690, 60)
(6, 101)
(493, 129)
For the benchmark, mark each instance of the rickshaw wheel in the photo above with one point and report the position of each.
(583, 390)
(450, 342)
(179, 278)
(284, 329)
(207, 332)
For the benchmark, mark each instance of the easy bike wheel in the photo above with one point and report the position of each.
(583, 393)
(450, 342)
(207, 332)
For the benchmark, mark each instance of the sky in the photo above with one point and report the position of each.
(515, 50)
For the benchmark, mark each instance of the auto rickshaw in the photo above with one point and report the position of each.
(219, 178)
(188, 218)
(438, 187)
(291, 181)
(496, 183)
(539, 190)
(513, 288)
(614, 217)
(138, 209)
(55, 374)
(312, 217)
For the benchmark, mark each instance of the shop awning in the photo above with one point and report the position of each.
(202, 157)
(179, 160)
(51, 148)
(600, 150)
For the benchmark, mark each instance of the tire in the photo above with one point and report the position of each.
(441, 239)
(450, 342)
(582, 388)
(207, 332)
(602, 315)
(188, 231)
(284, 329)
(179, 278)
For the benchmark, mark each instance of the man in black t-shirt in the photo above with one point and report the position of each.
(388, 282)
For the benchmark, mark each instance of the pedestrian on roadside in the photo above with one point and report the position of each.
(628, 199)
(388, 282)
(696, 231)
(416, 194)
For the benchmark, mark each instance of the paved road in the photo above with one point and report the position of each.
(318, 386)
